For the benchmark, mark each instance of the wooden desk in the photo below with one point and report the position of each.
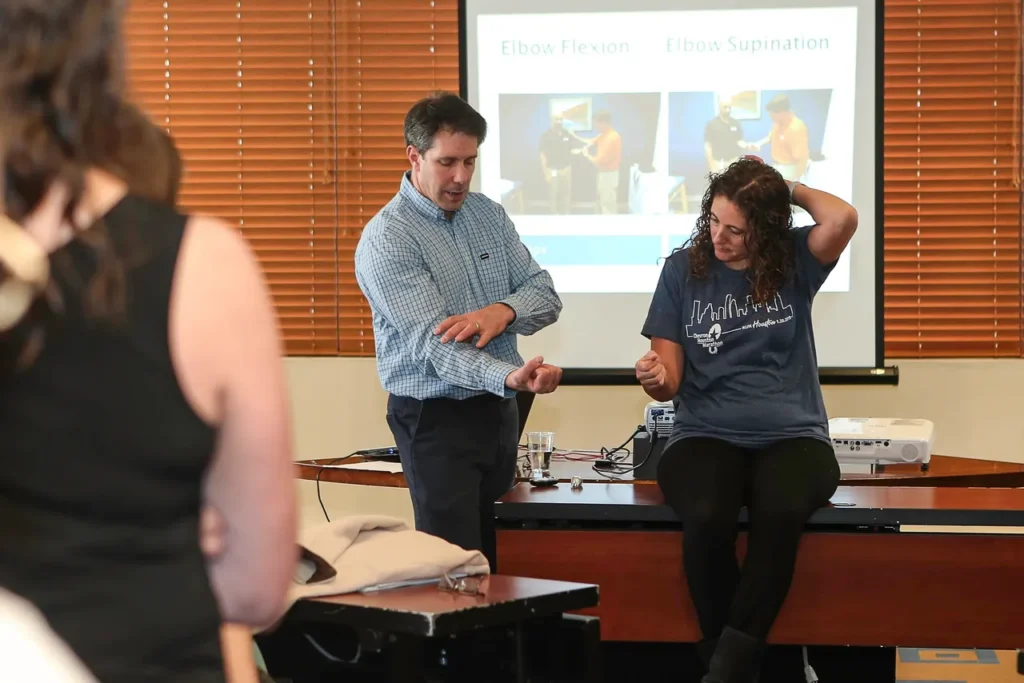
(428, 611)
(402, 623)
(943, 471)
(858, 580)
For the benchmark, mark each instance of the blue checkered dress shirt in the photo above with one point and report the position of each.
(416, 268)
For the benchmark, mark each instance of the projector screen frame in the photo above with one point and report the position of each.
(880, 374)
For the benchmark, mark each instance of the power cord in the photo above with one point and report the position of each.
(610, 454)
(809, 673)
(612, 467)
(321, 471)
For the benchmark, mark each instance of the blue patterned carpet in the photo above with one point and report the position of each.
(918, 665)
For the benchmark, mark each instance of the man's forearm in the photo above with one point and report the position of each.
(461, 365)
(536, 305)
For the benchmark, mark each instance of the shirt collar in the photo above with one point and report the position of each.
(421, 204)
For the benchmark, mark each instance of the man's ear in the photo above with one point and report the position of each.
(414, 157)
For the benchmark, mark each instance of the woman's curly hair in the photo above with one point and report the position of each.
(61, 81)
(762, 196)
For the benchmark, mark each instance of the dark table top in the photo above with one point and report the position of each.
(943, 470)
(428, 611)
(850, 506)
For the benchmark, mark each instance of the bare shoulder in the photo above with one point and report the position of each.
(210, 240)
(219, 303)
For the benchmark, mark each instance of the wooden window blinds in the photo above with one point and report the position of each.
(390, 54)
(289, 117)
(952, 198)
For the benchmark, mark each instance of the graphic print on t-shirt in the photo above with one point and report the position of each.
(710, 322)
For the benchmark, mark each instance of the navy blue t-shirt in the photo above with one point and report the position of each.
(750, 371)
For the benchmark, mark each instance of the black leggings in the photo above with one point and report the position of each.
(706, 481)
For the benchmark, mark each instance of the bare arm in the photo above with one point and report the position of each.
(767, 138)
(660, 371)
(236, 644)
(835, 222)
(799, 147)
(227, 352)
(666, 369)
(613, 144)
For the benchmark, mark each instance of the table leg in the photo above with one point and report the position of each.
(590, 650)
(521, 659)
(406, 656)
(566, 648)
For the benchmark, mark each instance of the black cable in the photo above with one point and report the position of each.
(321, 471)
(619, 469)
(614, 465)
(609, 453)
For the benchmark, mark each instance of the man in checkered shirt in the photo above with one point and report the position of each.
(451, 286)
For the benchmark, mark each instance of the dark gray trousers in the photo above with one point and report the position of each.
(458, 458)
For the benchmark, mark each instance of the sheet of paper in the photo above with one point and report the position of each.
(374, 466)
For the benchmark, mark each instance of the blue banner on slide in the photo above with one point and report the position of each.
(611, 250)
(675, 241)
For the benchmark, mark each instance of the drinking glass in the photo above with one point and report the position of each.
(539, 446)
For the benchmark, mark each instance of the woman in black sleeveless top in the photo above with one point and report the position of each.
(145, 383)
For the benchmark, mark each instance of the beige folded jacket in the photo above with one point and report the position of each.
(376, 552)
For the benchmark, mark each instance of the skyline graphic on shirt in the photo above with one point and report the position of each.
(709, 322)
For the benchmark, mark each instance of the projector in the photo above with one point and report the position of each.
(659, 417)
(882, 440)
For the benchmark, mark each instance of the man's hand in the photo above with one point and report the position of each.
(535, 376)
(487, 323)
(651, 372)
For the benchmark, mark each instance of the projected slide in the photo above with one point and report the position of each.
(606, 117)
(604, 127)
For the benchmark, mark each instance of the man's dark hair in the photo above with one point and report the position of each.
(442, 111)
(778, 104)
(603, 117)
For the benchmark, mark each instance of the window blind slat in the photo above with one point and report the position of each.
(952, 178)
(390, 54)
(248, 90)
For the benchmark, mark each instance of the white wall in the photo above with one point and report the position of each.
(977, 407)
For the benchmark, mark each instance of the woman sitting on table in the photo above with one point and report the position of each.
(732, 345)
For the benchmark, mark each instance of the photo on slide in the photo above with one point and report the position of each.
(707, 131)
(574, 154)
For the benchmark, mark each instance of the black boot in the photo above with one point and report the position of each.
(737, 658)
(706, 650)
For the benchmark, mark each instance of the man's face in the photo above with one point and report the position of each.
(602, 126)
(725, 108)
(780, 117)
(443, 172)
(557, 123)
